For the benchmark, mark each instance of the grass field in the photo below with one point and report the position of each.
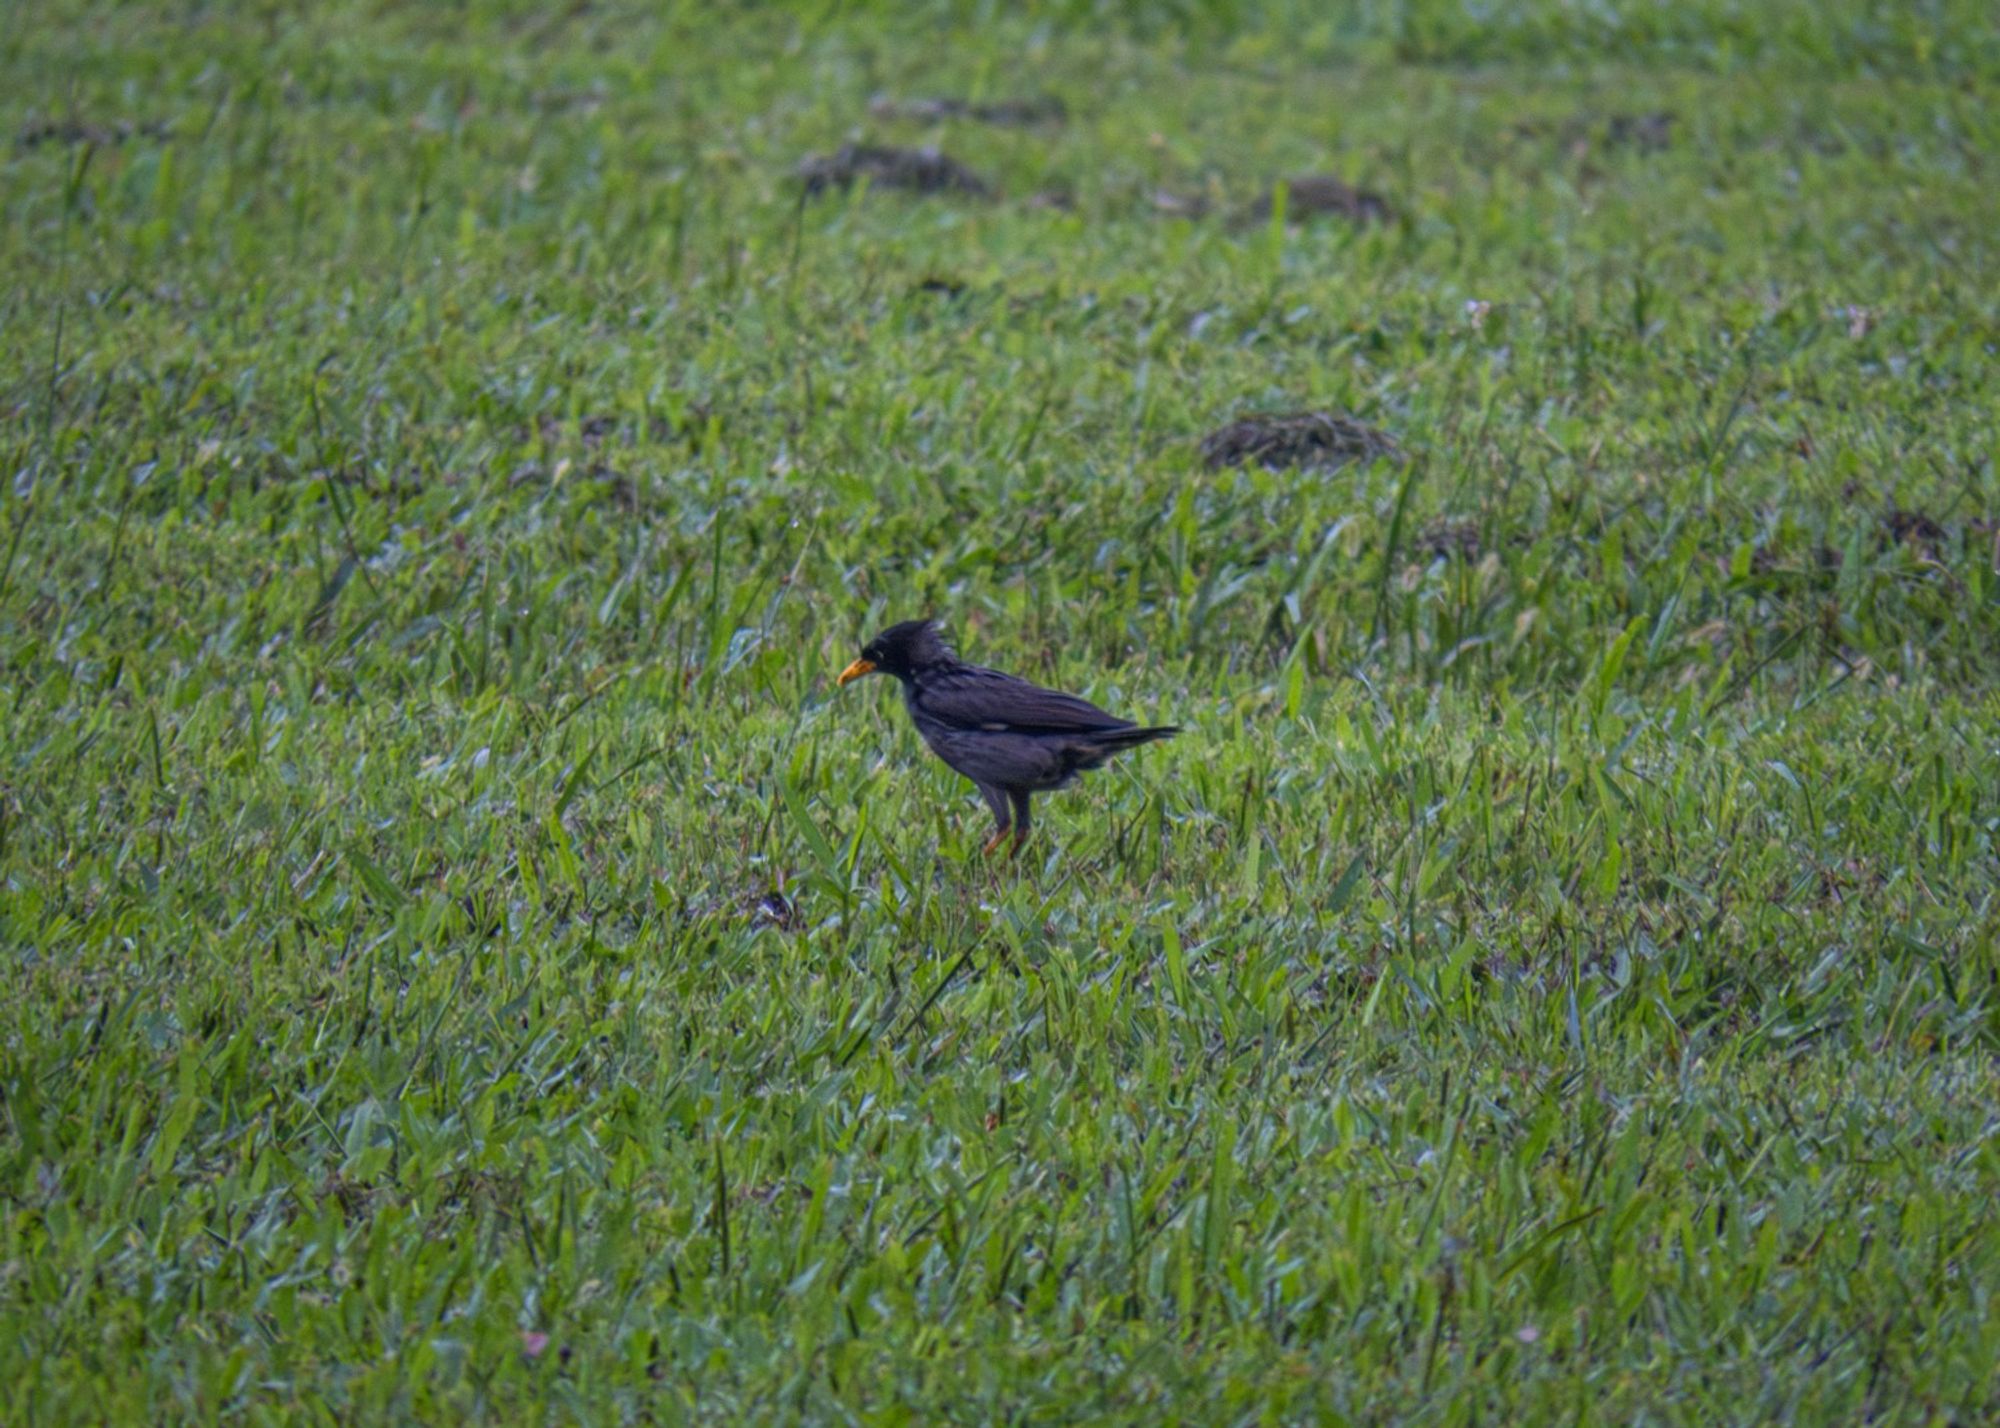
(465, 962)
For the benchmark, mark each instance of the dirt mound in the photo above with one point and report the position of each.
(1306, 440)
(884, 166)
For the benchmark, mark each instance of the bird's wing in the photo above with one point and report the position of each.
(969, 697)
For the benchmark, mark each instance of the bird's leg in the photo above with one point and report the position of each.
(1019, 798)
(996, 799)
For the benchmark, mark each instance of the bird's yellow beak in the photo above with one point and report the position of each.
(855, 671)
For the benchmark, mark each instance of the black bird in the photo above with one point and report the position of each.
(1012, 738)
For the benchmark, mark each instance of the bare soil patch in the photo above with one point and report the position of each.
(1648, 133)
(1924, 535)
(1312, 196)
(1448, 537)
(1322, 441)
(885, 166)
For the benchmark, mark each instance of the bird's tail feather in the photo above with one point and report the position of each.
(1115, 739)
(1093, 750)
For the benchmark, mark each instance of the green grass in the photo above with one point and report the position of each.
(467, 964)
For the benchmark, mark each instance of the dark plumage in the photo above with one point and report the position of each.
(1011, 738)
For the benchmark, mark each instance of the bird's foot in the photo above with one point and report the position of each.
(999, 837)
